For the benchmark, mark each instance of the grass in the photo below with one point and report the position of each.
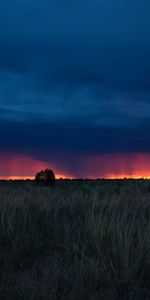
(77, 240)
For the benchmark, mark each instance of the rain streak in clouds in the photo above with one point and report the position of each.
(75, 87)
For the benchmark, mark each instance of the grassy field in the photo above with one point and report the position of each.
(77, 240)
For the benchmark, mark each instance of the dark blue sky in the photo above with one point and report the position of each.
(74, 80)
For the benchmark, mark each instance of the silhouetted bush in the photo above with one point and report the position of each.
(46, 177)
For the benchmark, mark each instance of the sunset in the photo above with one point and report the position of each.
(74, 149)
(68, 93)
(100, 166)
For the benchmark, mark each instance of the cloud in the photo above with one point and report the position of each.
(97, 166)
(74, 78)
(79, 42)
(23, 100)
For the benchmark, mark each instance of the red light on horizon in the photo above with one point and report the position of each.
(109, 166)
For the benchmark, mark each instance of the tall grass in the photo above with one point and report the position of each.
(77, 240)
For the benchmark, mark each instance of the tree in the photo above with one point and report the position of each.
(46, 177)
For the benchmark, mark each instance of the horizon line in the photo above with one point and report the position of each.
(7, 178)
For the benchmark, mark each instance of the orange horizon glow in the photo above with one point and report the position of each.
(57, 176)
(118, 166)
(126, 176)
(24, 167)
(113, 177)
(107, 166)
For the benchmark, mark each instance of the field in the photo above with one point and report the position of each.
(76, 240)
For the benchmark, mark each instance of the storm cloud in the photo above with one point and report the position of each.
(74, 79)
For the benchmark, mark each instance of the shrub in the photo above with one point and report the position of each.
(46, 177)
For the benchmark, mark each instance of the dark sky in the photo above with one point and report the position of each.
(74, 87)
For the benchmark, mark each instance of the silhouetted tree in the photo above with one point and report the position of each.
(46, 177)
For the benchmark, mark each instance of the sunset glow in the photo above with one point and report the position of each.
(118, 166)
(107, 166)
(75, 98)
(22, 167)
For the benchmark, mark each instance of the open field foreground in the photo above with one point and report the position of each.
(76, 240)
